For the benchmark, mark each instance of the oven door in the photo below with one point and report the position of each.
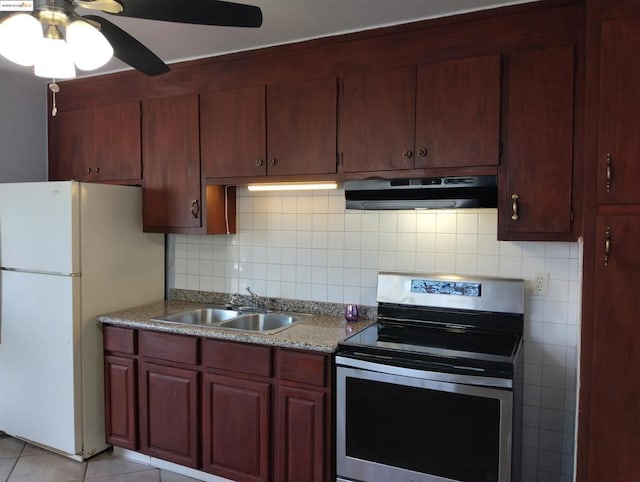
(405, 425)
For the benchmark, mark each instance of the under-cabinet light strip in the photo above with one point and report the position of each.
(293, 186)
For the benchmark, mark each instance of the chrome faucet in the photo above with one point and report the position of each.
(253, 301)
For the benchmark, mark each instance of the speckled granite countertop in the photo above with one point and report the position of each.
(316, 332)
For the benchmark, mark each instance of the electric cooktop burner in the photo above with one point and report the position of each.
(448, 323)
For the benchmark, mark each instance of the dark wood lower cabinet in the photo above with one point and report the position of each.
(169, 421)
(246, 412)
(301, 436)
(613, 424)
(236, 428)
(121, 414)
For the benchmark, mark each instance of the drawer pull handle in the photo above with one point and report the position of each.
(514, 207)
(195, 208)
(609, 172)
(607, 245)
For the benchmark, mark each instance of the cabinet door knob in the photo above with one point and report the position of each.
(97, 169)
(88, 170)
(423, 152)
(407, 154)
(609, 172)
(514, 207)
(195, 208)
(259, 162)
(607, 245)
(272, 161)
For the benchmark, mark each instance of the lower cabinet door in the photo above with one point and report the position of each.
(121, 414)
(236, 428)
(301, 436)
(169, 414)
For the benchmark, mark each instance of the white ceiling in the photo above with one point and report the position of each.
(285, 21)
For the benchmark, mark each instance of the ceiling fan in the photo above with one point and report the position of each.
(93, 39)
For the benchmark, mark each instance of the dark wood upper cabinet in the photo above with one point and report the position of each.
(442, 114)
(117, 152)
(171, 197)
(458, 113)
(377, 120)
(279, 130)
(301, 127)
(619, 112)
(97, 145)
(70, 138)
(537, 128)
(233, 133)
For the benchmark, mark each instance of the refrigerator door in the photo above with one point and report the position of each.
(39, 400)
(38, 228)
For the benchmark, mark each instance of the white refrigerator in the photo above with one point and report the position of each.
(68, 252)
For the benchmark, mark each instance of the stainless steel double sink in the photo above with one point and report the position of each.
(229, 319)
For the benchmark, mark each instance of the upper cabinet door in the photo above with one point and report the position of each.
(117, 152)
(70, 135)
(619, 143)
(377, 120)
(171, 157)
(233, 133)
(536, 175)
(458, 113)
(301, 127)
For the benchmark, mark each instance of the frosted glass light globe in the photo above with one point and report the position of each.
(89, 48)
(20, 37)
(54, 60)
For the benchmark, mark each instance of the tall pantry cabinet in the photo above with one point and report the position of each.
(609, 424)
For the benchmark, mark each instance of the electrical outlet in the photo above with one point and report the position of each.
(541, 284)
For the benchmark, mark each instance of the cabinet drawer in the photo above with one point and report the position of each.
(119, 339)
(302, 367)
(169, 347)
(237, 357)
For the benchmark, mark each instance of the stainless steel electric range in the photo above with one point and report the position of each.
(432, 392)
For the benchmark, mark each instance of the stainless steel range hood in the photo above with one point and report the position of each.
(423, 193)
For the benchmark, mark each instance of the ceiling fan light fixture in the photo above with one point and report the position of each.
(20, 37)
(89, 48)
(54, 58)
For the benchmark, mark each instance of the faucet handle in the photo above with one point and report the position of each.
(248, 288)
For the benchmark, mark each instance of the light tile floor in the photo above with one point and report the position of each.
(22, 462)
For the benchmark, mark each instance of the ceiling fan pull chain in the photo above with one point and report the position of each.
(54, 88)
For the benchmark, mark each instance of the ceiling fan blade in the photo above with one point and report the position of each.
(109, 6)
(200, 12)
(130, 50)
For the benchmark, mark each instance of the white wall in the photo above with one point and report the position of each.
(308, 247)
(23, 127)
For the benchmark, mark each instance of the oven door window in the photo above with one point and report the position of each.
(441, 431)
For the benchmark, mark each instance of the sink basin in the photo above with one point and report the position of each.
(218, 317)
(261, 322)
(202, 316)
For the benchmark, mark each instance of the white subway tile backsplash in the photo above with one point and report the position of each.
(446, 222)
(309, 247)
(467, 223)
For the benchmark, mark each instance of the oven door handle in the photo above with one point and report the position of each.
(476, 380)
